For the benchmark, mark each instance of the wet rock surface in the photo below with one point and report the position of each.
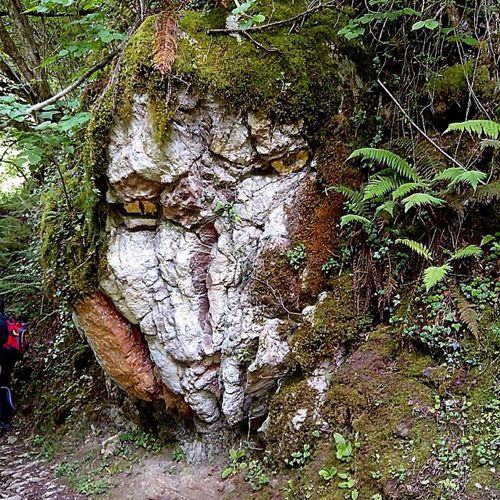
(26, 477)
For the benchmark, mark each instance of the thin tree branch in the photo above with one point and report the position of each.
(4, 13)
(299, 17)
(73, 86)
(424, 135)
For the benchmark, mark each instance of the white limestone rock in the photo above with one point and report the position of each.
(187, 280)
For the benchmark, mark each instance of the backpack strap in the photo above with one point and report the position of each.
(6, 396)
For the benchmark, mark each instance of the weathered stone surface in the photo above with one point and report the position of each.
(186, 279)
(118, 347)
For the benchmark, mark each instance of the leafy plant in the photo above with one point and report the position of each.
(487, 128)
(228, 211)
(296, 256)
(300, 457)
(178, 455)
(243, 17)
(344, 447)
(327, 473)
(235, 456)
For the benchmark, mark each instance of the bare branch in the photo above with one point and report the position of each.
(73, 86)
(4, 13)
(299, 17)
(419, 130)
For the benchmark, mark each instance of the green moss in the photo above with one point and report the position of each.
(374, 399)
(333, 323)
(282, 437)
(307, 76)
(452, 83)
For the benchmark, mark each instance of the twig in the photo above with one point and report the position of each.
(308, 12)
(258, 44)
(86, 75)
(83, 12)
(424, 135)
(73, 86)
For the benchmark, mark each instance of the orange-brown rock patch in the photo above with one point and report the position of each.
(118, 346)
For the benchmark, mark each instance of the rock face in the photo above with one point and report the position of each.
(118, 346)
(192, 219)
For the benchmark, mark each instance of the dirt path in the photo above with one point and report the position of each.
(158, 478)
(23, 476)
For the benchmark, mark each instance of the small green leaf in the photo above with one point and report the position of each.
(431, 24)
(227, 472)
(258, 18)
(487, 239)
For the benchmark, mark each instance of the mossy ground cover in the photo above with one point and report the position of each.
(400, 411)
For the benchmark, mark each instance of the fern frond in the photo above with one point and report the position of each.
(350, 194)
(389, 207)
(165, 43)
(417, 247)
(458, 174)
(490, 143)
(488, 192)
(449, 174)
(388, 158)
(354, 197)
(421, 199)
(378, 186)
(487, 128)
(466, 252)
(435, 274)
(467, 313)
(406, 188)
(347, 219)
(425, 159)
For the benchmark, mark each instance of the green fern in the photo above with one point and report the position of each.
(435, 274)
(388, 158)
(466, 252)
(388, 207)
(487, 128)
(347, 219)
(355, 197)
(488, 192)
(406, 188)
(458, 174)
(417, 247)
(426, 161)
(378, 186)
(421, 199)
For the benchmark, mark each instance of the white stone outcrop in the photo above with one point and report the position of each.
(185, 275)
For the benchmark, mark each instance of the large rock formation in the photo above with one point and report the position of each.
(193, 218)
(200, 206)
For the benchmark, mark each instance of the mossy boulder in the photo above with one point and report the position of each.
(452, 85)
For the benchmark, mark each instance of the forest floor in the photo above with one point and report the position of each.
(130, 474)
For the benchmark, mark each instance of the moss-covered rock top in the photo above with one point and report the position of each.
(291, 71)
